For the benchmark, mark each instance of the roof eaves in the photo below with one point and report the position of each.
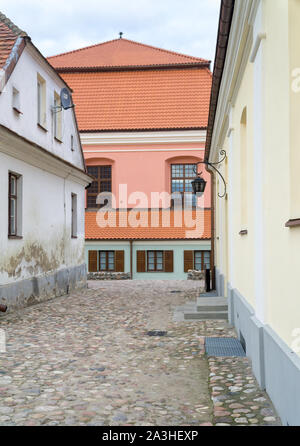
(146, 129)
(169, 66)
(225, 20)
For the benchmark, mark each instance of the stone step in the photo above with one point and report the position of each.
(206, 315)
(212, 301)
(212, 308)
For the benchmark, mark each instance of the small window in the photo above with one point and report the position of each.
(74, 216)
(16, 100)
(57, 117)
(14, 205)
(72, 143)
(201, 260)
(182, 176)
(101, 183)
(155, 261)
(41, 101)
(106, 260)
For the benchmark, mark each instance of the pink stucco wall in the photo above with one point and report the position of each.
(146, 168)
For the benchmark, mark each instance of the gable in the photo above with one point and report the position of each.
(122, 53)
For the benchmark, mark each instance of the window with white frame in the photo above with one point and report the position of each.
(16, 100)
(202, 260)
(14, 204)
(74, 216)
(41, 101)
(57, 117)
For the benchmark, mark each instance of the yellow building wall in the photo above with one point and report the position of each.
(281, 175)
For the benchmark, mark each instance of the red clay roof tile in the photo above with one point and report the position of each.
(121, 53)
(141, 100)
(8, 36)
(153, 231)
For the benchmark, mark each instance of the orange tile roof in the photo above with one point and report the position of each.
(155, 99)
(8, 36)
(95, 232)
(121, 53)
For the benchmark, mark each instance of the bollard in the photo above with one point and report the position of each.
(207, 280)
(3, 308)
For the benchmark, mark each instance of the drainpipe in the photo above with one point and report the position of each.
(212, 253)
(131, 272)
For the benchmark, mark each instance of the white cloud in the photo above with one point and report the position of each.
(56, 26)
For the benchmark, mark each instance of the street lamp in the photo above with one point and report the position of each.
(199, 183)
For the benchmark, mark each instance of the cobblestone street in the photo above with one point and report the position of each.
(86, 359)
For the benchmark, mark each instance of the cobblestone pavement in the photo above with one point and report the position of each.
(86, 359)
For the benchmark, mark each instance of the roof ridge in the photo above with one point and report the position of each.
(167, 51)
(14, 28)
(199, 59)
(81, 49)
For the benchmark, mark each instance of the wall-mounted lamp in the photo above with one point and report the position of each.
(199, 183)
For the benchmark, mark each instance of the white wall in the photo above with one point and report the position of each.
(46, 243)
(24, 79)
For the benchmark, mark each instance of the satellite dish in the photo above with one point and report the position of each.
(66, 99)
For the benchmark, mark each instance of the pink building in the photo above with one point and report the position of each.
(142, 114)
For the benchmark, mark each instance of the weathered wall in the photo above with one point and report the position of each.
(46, 245)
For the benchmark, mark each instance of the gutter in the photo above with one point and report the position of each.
(225, 20)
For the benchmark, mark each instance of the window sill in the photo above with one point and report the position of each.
(42, 127)
(15, 237)
(15, 109)
(58, 140)
(293, 223)
(244, 232)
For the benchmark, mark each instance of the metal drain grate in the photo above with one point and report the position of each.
(223, 347)
(156, 333)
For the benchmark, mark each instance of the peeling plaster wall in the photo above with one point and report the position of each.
(46, 245)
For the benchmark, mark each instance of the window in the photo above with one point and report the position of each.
(41, 101)
(16, 100)
(14, 205)
(201, 260)
(155, 261)
(106, 260)
(102, 183)
(72, 143)
(74, 216)
(182, 176)
(57, 117)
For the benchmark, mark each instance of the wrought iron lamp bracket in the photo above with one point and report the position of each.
(213, 166)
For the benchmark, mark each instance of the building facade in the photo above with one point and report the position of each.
(254, 117)
(142, 114)
(42, 178)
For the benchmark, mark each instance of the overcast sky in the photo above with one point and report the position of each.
(55, 26)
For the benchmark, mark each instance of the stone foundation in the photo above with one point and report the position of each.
(24, 293)
(108, 276)
(196, 275)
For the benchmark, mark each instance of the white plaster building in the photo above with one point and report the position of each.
(42, 178)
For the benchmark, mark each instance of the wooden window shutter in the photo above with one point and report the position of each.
(119, 261)
(93, 261)
(141, 261)
(169, 268)
(188, 260)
